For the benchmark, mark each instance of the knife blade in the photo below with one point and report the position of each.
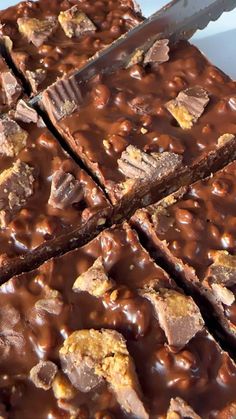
(178, 20)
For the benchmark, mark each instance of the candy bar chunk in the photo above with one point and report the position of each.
(62, 98)
(179, 409)
(188, 106)
(223, 269)
(95, 280)
(35, 30)
(90, 356)
(75, 23)
(51, 304)
(11, 87)
(65, 190)
(225, 138)
(35, 78)
(158, 53)
(43, 374)
(12, 138)
(136, 164)
(25, 113)
(178, 315)
(16, 185)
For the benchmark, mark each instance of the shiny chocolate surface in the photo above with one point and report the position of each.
(60, 54)
(200, 373)
(38, 221)
(129, 107)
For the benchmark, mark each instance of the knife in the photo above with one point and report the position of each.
(176, 21)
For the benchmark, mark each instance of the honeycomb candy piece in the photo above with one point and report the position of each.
(43, 374)
(16, 185)
(75, 23)
(177, 314)
(90, 356)
(62, 388)
(66, 190)
(136, 164)
(158, 53)
(12, 138)
(179, 409)
(95, 280)
(223, 294)
(188, 106)
(35, 30)
(223, 269)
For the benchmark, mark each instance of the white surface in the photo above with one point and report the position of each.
(217, 41)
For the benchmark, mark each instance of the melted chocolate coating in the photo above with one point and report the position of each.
(188, 232)
(200, 371)
(38, 223)
(60, 55)
(128, 107)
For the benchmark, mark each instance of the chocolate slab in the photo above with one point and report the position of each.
(145, 130)
(47, 202)
(10, 87)
(48, 39)
(196, 233)
(49, 369)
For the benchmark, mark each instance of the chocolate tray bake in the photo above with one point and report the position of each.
(195, 231)
(103, 332)
(48, 39)
(117, 222)
(47, 202)
(154, 126)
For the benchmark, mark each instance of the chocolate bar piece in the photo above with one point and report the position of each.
(109, 353)
(47, 202)
(48, 39)
(195, 231)
(148, 129)
(10, 87)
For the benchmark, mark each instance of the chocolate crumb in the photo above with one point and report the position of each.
(11, 87)
(35, 30)
(223, 269)
(12, 138)
(52, 303)
(90, 356)
(178, 315)
(66, 190)
(179, 409)
(95, 280)
(36, 77)
(188, 106)
(158, 53)
(223, 294)
(75, 23)
(136, 164)
(16, 185)
(43, 374)
(26, 113)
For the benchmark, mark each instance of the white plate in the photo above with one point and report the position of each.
(217, 41)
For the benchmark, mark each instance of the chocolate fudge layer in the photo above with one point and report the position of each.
(45, 197)
(10, 87)
(148, 128)
(196, 232)
(103, 332)
(48, 39)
